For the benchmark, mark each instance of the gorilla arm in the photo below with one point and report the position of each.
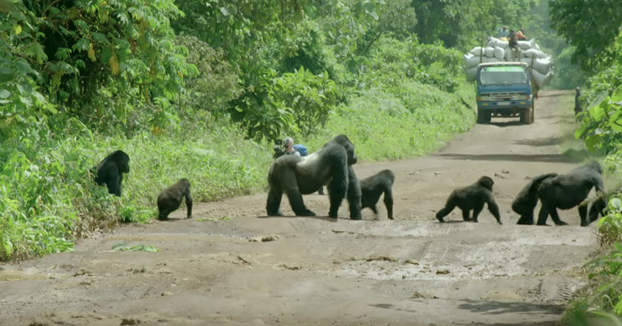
(492, 206)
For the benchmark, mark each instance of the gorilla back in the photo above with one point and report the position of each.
(296, 175)
(169, 199)
(566, 191)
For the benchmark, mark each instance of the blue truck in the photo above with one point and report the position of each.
(505, 89)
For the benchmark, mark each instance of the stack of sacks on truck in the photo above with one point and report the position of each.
(498, 50)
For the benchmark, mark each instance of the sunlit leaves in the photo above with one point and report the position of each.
(590, 26)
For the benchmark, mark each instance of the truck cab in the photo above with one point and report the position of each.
(504, 89)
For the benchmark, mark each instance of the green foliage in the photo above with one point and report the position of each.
(602, 123)
(591, 27)
(216, 82)
(293, 103)
(238, 27)
(47, 196)
(459, 23)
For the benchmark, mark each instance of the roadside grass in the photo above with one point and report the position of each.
(384, 126)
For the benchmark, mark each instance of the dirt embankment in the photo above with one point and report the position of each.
(252, 270)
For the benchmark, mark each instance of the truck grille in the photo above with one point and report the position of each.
(504, 96)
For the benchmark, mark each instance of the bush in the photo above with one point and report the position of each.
(47, 198)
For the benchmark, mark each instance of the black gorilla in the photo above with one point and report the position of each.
(596, 206)
(169, 199)
(566, 191)
(296, 175)
(374, 186)
(527, 199)
(472, 197)
(110, 171)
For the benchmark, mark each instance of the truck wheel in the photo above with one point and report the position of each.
(483, 116)
(526, 117)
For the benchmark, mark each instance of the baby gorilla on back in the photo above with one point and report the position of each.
(472, 197)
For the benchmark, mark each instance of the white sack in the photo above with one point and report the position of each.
(526, 45)
(477, 51)
(542, 65)
(490, 52)
(499, 53)
(534, 53)
(541, 79)
(496, 42)
(471, 74)
(471, 61)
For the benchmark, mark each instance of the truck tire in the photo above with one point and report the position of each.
(526, 117)
(483, 116)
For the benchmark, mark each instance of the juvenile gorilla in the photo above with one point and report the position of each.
(169, 199)
(527, 199)
(566, 191)
(374, 186)
(296, 175)
(472, 197)
(110, 171)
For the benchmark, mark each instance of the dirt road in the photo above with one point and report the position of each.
(316, 271)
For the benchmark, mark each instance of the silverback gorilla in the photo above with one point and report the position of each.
(527, 199)
(566, 191)
(472, 197)
(169, 199)
(110, 171)
(296, 175)
(374, 186)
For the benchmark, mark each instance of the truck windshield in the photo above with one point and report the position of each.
(503, 75)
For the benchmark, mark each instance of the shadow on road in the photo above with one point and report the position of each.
(551, 158)
(499, 308)
(323, 218)
(550, 141)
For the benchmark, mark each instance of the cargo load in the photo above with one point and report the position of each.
(498, 50)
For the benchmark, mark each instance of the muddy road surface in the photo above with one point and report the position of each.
(255, 270)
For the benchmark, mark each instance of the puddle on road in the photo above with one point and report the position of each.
(31, 273)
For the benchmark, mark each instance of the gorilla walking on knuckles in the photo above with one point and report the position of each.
(566, 191)
(472, 197)
(110, 171)
(527, 199)
(374, 186)
(169, 199)
(295, 175)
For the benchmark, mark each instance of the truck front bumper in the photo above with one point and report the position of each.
(503, 105)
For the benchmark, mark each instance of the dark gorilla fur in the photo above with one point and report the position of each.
(566, 191)
(472, 197)
(374, 186)
(110, 171)
(296, 176)
(169, 199)
(599, 205)
(527, 199)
